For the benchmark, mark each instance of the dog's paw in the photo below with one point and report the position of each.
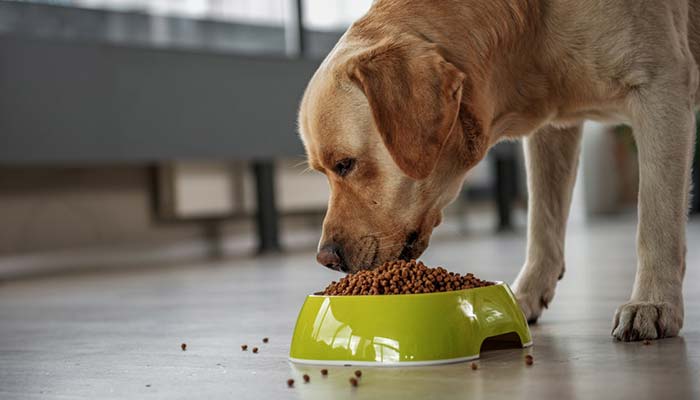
(533, 299)
(639, 320)
(534, 287)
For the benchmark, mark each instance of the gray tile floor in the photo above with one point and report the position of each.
(118, 335)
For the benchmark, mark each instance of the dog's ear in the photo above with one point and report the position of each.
(415, 96)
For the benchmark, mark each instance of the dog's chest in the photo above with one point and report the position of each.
(561, 100)
(516, 124)
(608, 113)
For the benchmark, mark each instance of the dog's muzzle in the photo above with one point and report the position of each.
(409, 246)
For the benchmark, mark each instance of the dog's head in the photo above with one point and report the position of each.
(394, 127)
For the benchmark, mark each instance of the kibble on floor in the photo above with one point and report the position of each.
(529, 360)
(353, 382)
(307, 378)
(324, 372)
(265, 340)
(475, 366)
(255, 349)
(358, 373)
(244, 347)
(183, 346)
(290, 382)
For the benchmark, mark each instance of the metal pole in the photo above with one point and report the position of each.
(295, 39)
(267, 217)
(264, 170)
(505, 185)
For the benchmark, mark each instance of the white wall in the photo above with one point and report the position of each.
(318, 14)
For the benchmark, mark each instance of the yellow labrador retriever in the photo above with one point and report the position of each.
(416, 92)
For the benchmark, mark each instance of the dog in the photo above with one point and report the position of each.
(415, 93)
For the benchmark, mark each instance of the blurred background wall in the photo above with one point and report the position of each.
(133, 131)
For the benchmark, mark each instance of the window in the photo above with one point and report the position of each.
(326, 15)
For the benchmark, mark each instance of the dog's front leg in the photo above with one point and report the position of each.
(664, 126)
(551, 155)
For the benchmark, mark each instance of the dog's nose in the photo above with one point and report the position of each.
(329, 256)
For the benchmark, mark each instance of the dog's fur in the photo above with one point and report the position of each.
(417, 91)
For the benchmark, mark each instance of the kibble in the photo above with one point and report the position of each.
(646, 342)
(255, 349)
(358, 373)
(353, 382)
(183, 346)
(244, 347)
(402, 277)
(324, 372)
(306, 378)
(265, 340)
(529, 360)
(475, 366)
(290, 382)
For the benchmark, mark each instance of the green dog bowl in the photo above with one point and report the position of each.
(405, 330)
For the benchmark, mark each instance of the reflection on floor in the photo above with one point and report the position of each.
(118, 335)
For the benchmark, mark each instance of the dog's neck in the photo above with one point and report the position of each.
(471, 32)
(495, 28)
(487, 40)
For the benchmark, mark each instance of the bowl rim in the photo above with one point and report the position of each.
(360, 296)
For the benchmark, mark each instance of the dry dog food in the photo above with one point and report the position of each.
(306, 378)
(475, 366)
(324, 372)
(353, 382)
(244, 347)
(358, 373)
(183, 346)
(402, 277)
(255, 349)
(529, 360)
(290, 382)
(265, 340)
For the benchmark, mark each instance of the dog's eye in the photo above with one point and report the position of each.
(344, 166)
